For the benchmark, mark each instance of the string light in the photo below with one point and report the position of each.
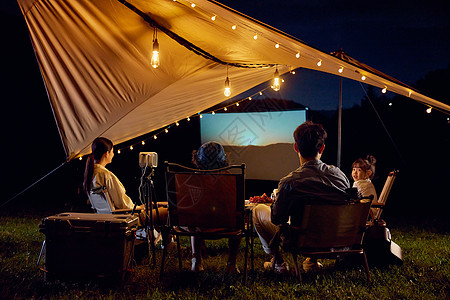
(201, 116)
(188, 119)
(428, 110)
(213, 113)
(213, 17)
(155, 137)
(80, 158)
(166, 130)
(118, 151)
(155, 55)
(276, 81)
(249, 98)
(384, 90)
(178, 124)
(237, 104)
(227, 89)
(131, 147)
(143, 143)
(225, 109)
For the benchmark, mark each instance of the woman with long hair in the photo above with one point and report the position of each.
(97, 175)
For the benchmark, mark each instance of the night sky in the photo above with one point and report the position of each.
(404, 39)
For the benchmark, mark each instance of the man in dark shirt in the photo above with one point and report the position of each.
(312, 181)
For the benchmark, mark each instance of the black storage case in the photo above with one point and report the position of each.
(86, 246)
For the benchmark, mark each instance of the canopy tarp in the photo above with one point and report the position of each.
(94, 57)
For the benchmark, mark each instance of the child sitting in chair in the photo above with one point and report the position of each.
(362, 171)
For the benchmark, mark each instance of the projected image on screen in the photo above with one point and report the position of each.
(261, 140)
(252, 128)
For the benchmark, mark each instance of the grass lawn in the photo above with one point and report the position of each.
(423, 275)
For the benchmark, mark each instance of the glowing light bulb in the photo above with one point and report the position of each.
(429, 110)
(249, 98)
(166, 130)
(213, 18)
(237, 104)
(178, 124)
(213, 113)
(390, 103)
(143, 143)
(225, 109)
(80, 158)
(255, 37)
(155, 137)
(297, 55)
(118, 151)
(409, 94)
(227, 90)
(277, 45)
(319, 63)
(188, 119)
(363, 77)
(192, 5)
(276, 81)
(341, 69)
(384, 90)
(155, 56)
(131, 147)
(201, 116)
(260, 93)
(233, 27)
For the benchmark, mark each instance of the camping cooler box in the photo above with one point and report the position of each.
(86, 245)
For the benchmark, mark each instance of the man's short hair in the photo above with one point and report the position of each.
(309, 137)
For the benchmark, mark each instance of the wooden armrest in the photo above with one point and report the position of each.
(122, 211)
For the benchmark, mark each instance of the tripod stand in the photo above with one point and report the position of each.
(146, 191)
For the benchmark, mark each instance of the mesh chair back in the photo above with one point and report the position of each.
(333, 226)
(206, 199)
(99, 201)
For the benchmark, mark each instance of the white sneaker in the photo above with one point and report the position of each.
(196, 265)
(279, 268)
(157, 235)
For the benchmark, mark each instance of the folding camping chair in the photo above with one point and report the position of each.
(101, 203)
(206, 203)
(377, 208)
(327, 231)
(380, 248)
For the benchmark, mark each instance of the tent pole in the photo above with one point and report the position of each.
(339, 124)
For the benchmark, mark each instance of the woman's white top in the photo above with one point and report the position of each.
(115, 191)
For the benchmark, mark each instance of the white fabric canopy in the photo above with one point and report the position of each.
(94, 56)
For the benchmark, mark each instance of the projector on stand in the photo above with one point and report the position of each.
(148, 159)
